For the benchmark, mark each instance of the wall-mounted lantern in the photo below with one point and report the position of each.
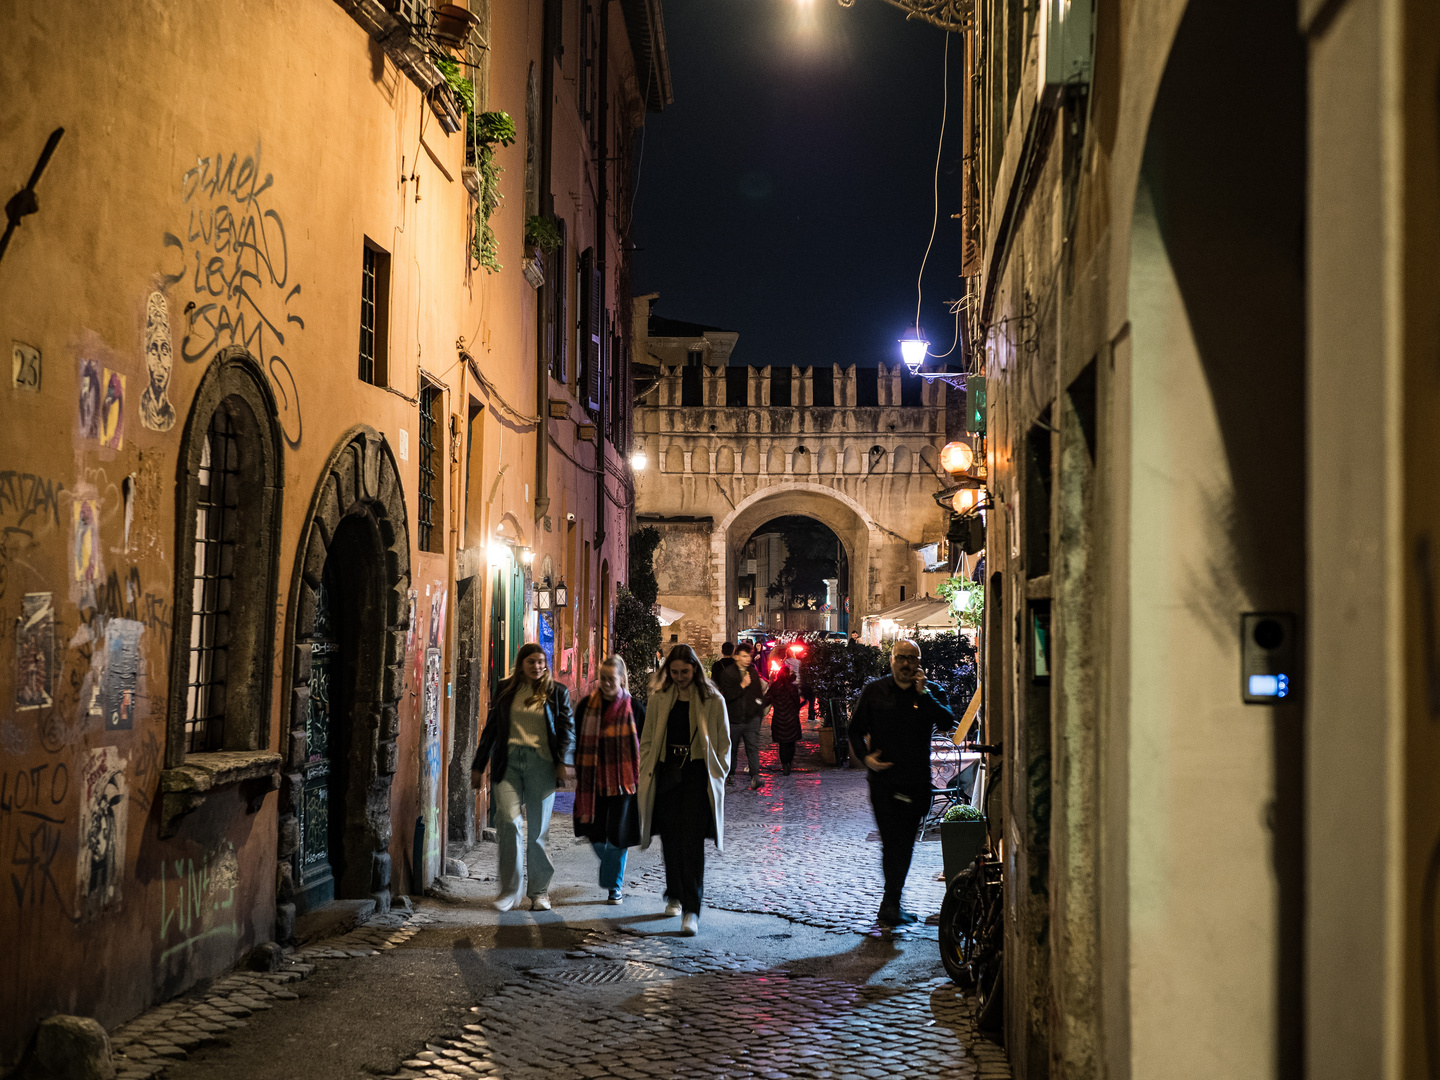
(544, 595)
(562, 595)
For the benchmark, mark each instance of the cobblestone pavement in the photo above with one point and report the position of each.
(642, 1006)
(166, 1034)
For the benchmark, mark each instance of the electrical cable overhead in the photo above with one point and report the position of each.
(935, 187)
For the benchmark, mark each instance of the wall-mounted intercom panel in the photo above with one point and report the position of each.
(1269, 649)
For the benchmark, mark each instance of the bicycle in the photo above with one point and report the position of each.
(972, 930)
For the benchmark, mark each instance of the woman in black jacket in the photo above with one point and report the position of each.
(529, 745)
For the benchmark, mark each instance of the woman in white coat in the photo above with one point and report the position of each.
(684, 756)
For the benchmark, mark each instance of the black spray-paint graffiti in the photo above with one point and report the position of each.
(28, 495)
(15, 544)
(30, 801)
(236, 262)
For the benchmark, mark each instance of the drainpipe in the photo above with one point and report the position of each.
(602, 245)
(549, 36)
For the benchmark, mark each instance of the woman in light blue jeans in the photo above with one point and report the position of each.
(529, 746)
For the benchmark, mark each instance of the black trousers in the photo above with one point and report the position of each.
(898, 813)
(684, 820)
(787, 754)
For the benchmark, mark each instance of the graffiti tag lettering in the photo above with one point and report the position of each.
(198, 902)
(235, 262)
(28, 495)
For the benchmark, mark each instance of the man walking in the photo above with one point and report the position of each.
(727, 660)
(744, 694)
(890, 731)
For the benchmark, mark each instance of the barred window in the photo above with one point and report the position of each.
(374, 315)
(215, 523)
(431, 537)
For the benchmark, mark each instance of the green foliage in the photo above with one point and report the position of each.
(949, 660)
(463, 88)
(637, 637)
(643, 543)
(542, 232)
(966, 599)
(963, 812)
(484, 133)
(838, 670)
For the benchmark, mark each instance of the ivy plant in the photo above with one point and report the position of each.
(485, 132)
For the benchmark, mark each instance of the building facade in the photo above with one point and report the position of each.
(1200, 246)
(294, 425)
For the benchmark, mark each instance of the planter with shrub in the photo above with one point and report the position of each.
(962, 837)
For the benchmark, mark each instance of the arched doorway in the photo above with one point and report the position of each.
(871, 555)
(793, 576)
(350, 612)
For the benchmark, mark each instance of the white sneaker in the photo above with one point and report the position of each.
(615, 897)
(689, 924)
(672, 908)
(540, 903)
(506, 901)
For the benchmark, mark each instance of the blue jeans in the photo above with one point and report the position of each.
(612, 864)
(529, 782)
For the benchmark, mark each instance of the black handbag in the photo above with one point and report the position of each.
(668, 771)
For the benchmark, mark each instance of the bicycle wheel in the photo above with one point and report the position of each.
(956, 918)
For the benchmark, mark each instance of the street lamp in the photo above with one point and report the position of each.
(957, 457)
(562, 595)
(638, 460)
(914, 350)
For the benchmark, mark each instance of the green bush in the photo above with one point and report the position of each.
(963, 812)
(637, 637)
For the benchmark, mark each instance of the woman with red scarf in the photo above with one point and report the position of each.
(607, 768)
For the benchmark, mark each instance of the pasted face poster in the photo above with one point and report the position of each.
(104, 796)
(35, 649)
(112, 411)
(88, 417)
(85, 550)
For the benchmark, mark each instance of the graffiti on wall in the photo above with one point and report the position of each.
(234, 268)
(197, 901)
(31, 823)
(104, 796)
(156, 412)
(35, 652)
(112, 411)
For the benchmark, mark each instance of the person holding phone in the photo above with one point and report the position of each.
(890, 731)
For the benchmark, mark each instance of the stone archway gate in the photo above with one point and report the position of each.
(716, 472)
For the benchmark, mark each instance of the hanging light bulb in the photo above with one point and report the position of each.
(957, 457)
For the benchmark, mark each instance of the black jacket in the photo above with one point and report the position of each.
(495, 739)
(899, 724)
(744, 707)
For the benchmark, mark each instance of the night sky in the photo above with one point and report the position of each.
(786, 194)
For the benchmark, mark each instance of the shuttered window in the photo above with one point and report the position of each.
(591, 357)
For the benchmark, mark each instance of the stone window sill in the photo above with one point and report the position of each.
(186, 787)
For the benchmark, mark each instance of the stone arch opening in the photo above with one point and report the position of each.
(848, 520)
(349, 609)
(810, 547)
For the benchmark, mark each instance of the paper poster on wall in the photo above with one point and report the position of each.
(156, 412)
(85, 550)
(118, 685)
(112, 411)
(35, 652)
(104, 797)
(88, 419)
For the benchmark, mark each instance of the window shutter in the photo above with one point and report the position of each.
(557, 313)
(590, 343)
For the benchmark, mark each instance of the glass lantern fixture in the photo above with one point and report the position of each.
(544, 595)
(562, 595)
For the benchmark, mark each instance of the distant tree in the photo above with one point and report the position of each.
(643, 543)
(809, 560)
(637, 637)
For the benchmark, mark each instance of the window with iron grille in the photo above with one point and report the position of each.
(374, 312)
(431, 536)
(215, 526)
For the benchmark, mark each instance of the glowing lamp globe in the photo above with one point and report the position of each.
(638, 460)
(913, 351)
(957, 457)
(965, 500)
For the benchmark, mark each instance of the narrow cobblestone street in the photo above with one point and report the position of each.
(789, 977)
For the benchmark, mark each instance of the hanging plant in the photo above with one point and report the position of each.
(966, 599)
(542, 232)
(460, 86)
(485, 132)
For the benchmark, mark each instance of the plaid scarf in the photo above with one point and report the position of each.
(607, 755)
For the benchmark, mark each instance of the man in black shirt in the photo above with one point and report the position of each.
(727, 659)
(890, 731)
